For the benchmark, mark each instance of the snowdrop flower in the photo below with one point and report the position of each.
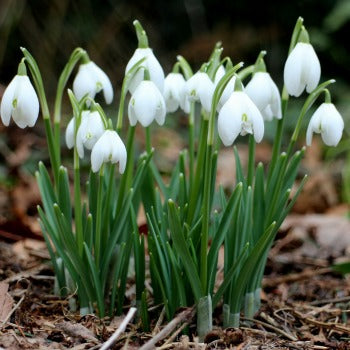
(90, 80)
(199, 88)
(173, 91)
(239, 115)
(264, 93)
(328, 122)
(108, 148)
(302, 69)
(146, 104)
(151, 64)
(20, 101)
(89, 131)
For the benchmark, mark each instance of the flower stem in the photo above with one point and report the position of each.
(98, 218)
(191, 142)
(77, 204)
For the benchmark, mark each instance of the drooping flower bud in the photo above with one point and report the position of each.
(239, 115)
(90, 80)
(108, 148)
(328, 122)
(173, 91)
(20, 101)
(264, 93)
(302, 69)
(199, 88)
(146, 104)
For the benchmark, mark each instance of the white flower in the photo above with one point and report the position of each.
(302, 69)
(91, 79)
(199, 88)
(89, 131)
(108, 148)
(328, 122)
(146, 104)
(264, 93)
(239, 115)
(173, 91)
(151, 63)
(21, 102)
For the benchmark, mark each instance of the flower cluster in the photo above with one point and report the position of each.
(91, 237)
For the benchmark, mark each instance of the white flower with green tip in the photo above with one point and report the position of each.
(146, 104)
(108, 148)
(21, 102)
(90, 80)
(239, 115)
(328, 122)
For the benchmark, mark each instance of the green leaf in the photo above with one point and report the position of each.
(97, 282)
(64, 200)
(180, 246)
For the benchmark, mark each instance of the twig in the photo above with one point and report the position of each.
(12, 311)
(331, 325)
(174, 335)
(293, 277)
(109, 343)
(159, 322)
(267, 325)
(331, 301)
(186, 315)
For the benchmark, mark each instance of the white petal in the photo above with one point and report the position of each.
(230, 120)
(131, 112)
(7, 101)
(151, 63)
(27, 110)
(219, 74)
(100, 152)
(70, 133)
(102, 78)
(173, 85)
(312, 69)
(293, 70)
(84, 82)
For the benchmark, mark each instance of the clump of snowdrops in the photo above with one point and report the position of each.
(92, 233)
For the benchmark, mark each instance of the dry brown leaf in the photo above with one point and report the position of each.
(6, 301)
(331, 233)
(77, 330)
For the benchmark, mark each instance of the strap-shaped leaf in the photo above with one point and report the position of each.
(181, 249)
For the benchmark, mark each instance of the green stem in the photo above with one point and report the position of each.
(199, 171)
(77, 204)
(38, 82)
(62, 82)
(98, 218)
(148, 140)
(251, 160)
(126, 179)
(191, 142)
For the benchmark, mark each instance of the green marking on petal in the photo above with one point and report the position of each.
(14, 103)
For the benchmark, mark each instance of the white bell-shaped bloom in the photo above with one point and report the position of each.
(108, 148)
(91, 79)
(239, 115)
(146, 104)
(21, 102)
(89, 131)
(302, 69)
(264, 93)
(328, 122)
(199, 88)
(151, 63)
(173, 91)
